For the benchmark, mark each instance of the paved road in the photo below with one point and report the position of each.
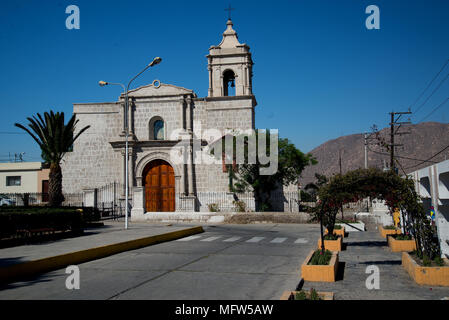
(241, 262)
(225, 262)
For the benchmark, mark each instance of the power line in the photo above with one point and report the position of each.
(436, 108)
(428, 86)
(402, 157)
(429, 158)
(435, 90)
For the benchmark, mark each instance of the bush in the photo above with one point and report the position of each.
(403, 237)
(331, 237)
(318, 258)
(439, 261)
(313, 295)
(390, 227)
(14, 219)
(213, 207)
(337, 227)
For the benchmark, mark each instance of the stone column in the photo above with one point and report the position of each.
(90, 197)
(130, 118)
(190, 169)
(131, 172)
(138, 209)
(209, 68)
(123, 171)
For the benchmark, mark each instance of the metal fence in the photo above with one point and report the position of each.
(231, 202)
(110, 200)
(35, 199)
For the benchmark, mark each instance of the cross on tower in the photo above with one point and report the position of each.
(229, 9)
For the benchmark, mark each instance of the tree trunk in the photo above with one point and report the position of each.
(55, 196)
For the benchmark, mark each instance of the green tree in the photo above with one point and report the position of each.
(313, 187)
(291, 163)
(55, 139)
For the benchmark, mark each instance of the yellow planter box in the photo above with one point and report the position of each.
(401, 245)
(332, 245)
(385, 232)
(320, 273)
(434, 276)
(338, 232)
(323, 295)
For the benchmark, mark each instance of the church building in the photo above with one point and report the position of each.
(156, 111)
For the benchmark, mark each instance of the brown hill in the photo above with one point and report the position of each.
(425, 139)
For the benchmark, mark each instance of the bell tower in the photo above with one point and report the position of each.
(230, 66)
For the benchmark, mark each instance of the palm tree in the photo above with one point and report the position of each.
(55, 139)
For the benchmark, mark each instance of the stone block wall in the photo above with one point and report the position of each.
(93, 162)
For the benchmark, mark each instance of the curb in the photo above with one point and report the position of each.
(30, 268)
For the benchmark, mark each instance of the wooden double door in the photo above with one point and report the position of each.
(159, 186)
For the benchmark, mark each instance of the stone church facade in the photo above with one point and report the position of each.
(156, 113)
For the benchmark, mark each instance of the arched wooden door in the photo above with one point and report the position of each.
(159, 186)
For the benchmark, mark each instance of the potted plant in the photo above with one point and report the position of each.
(332, 242)
(426, 271)
(388, 230)
(339, 230)
(320, 266)
(307, 295)
(401, 242)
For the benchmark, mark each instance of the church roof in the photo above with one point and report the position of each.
(163, 89)
(230, 39)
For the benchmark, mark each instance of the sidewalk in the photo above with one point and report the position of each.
(365, 249)
(27, 260)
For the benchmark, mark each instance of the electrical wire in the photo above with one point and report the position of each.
(436, 108)
(428, 86)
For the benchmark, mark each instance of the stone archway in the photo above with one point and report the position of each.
(158, 179)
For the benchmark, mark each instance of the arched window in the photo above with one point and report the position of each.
(228, 83)
(157, 129)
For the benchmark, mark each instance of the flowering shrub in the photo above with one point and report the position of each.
(397, 192)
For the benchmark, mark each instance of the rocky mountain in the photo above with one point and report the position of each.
(425, 140)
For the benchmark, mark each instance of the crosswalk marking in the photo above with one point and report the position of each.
(211, 239)
(233, 239)
(255, 239)
(236, 238)
(189, 238)
(278, 240)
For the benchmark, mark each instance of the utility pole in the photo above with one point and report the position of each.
(366, 150)
(395, 125)
(339, 159)
(339, 162)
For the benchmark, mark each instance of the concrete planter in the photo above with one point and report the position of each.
(435, 276)
(355, 227)
(320, 273)
(401, 245)
(323, 295)
(385, 232)
(332, 245)
(338, 232)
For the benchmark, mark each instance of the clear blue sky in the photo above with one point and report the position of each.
(318, 73)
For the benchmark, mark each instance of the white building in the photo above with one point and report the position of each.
(432, 184)
(23, 177)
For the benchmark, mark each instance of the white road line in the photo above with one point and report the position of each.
(301, 240)
(255, 239)
(278, 240)
(189, 238)
(211, 239)
(233, 239)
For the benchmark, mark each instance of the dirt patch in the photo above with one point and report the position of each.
(265, 217)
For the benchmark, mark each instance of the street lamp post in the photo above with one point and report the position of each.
(155, 61)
